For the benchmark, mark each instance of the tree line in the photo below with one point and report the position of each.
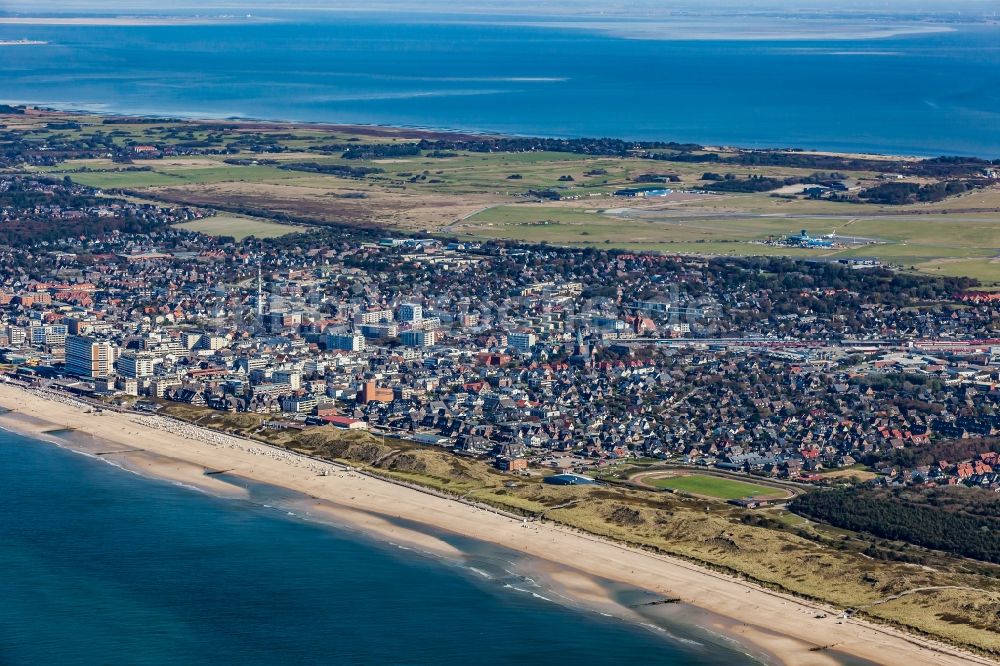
(934, 167)
(959, 521)
(896, 194)
(341, 170)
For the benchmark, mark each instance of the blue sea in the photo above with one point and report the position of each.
(102, 566)
(921, 94)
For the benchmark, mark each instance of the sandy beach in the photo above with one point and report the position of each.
(775, 624)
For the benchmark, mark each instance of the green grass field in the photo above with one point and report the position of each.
(957, 237)
(986, 271)
(714, 486)
(955, 244)
(239, 227)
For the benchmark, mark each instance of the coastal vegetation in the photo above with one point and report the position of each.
(876, 575)
(583, 146)
(898, 194)
(960, 521)
(332, 169)
(935, 216)
(381, 151)
(935, 167)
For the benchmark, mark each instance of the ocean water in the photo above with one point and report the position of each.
(102, 566)
(922, 94)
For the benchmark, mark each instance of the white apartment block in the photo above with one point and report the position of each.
(373, 316)
(354, 342)
(136, 365)
(522, 342)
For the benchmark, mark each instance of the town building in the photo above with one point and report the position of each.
(89, 357)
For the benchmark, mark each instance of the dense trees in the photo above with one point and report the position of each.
(952, 167)
(657, 178)
(959, 521)
(731, 183)
(381, 151)
(341, 170)
(751, 184)
(136, 120)
(544, 194)
(905, 193)
(610, 147)
(949, 450)
(935, 167)
(35, 209)
(877, 286)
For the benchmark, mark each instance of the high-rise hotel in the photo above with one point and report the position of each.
(90, 357)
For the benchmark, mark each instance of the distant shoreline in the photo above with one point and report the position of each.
(752, 30)
(418, 132)
(748, 28)
(668, 27)
(131, 21)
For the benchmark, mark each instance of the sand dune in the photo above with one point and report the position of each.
(779, 625)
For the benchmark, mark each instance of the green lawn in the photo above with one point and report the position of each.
(180, 176)
(239, 227)
(984, 270)
(109, 180)
(714, 486)
(961, 244)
